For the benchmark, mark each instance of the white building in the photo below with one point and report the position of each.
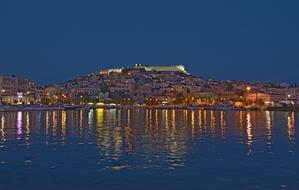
(14, 90)
(170, 68)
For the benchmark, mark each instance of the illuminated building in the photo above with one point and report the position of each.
(266, 97)
(106, 72)
(16, 90)
(170, 68)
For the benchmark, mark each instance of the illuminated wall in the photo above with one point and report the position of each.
(171, 68)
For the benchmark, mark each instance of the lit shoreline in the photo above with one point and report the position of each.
(9, 108)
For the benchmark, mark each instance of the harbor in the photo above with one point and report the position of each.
(108, 145)
(170, 107)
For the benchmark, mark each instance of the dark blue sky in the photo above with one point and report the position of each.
(58, 40)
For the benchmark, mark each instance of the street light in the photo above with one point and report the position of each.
(248, 88)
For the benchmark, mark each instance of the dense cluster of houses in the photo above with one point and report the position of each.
(145, 85)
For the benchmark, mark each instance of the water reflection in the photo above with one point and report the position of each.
(213, 124)
(249, 133)
(268, 127)
(27, 129)
(19, 125)
(2, 131)
(222, 123)
(291, 127)
(193, 123)
(147, 138)
(63, 127)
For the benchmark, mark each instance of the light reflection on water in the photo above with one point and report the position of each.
(19, 125)
(144, 139)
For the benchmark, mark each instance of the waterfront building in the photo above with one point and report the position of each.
(265, 97)
(15, 90)
(142, 82)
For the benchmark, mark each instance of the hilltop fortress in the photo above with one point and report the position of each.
(164, 68)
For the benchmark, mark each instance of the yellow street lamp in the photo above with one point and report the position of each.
(248, 88)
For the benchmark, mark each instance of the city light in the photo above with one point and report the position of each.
(158, 86)
(149, 95)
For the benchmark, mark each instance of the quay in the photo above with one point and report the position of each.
(79, 107)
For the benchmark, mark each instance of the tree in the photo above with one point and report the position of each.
(46, 101)
(82, 98)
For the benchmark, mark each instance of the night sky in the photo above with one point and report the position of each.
(52, 41)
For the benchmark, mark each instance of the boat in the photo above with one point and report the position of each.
(286, 105)
(294, 107)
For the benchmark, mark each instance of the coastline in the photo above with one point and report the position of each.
(169, 107)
